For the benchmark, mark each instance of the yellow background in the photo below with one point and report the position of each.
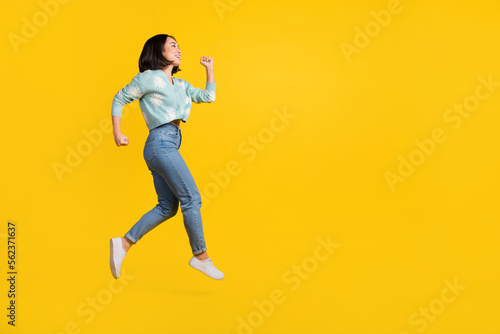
(322, 176)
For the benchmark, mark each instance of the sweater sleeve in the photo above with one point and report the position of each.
(199, 95)
(132, 91)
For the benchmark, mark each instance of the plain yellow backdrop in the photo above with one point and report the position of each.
(344, 189)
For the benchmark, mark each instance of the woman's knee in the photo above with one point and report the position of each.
(191, 202)
(167, 210)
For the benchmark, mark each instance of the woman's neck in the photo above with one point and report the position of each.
(168, 72)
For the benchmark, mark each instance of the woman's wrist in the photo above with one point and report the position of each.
(210, 74)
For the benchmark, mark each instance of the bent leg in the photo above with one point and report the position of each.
(172, 167)
(166, 208)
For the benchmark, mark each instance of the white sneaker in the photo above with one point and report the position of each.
(206, 267)
(117, 254)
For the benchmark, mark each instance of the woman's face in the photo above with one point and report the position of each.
(171, 51)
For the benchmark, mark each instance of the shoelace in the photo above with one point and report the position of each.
(212, 266)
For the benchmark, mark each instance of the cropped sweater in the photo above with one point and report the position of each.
(160, 100)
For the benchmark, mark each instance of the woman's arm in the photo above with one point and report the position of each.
(120, 139)
(132, 91)
(207, 95)
(209, 65)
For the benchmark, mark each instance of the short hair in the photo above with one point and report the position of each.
(152, 54)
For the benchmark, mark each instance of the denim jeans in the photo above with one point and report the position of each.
(173, 184)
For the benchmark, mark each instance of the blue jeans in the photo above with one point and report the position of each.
(173, 183)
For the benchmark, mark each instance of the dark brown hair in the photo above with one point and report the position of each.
(152, 54)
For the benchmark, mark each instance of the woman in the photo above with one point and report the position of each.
(164, 102)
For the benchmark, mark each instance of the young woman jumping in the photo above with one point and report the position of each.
(164, 102)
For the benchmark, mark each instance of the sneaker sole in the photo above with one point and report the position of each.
(192, 266)
(111, 259)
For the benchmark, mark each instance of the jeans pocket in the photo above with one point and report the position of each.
(149, 152)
